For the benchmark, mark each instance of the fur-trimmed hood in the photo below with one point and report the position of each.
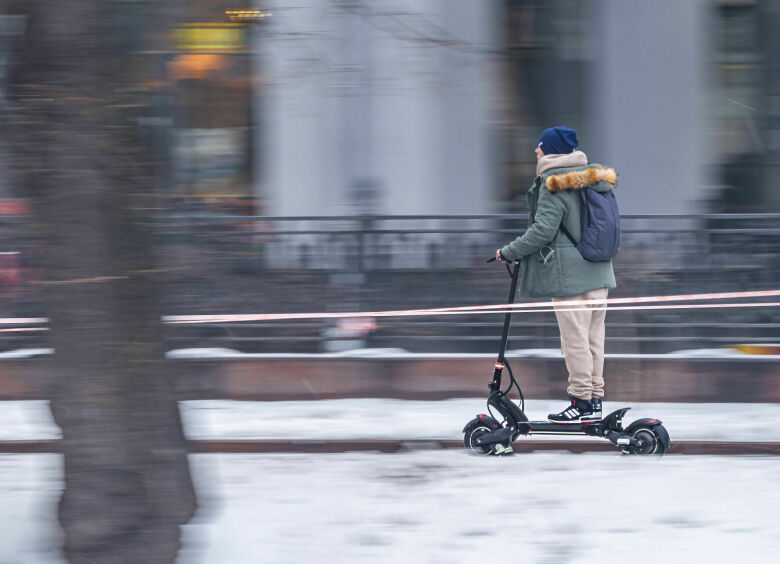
(576, 179)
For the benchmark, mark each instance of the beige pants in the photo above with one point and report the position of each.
(582, 344)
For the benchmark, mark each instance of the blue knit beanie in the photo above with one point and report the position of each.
(558, 140)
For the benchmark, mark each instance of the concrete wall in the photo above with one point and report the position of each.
(629, 379)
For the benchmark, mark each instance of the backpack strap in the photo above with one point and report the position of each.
(583, 209)
(568, 235)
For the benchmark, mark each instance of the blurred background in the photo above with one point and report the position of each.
(359, 156)
(347, 155)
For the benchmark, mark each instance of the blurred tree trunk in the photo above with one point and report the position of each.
(128, 487)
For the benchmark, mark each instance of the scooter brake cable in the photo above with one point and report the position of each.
(512, 382)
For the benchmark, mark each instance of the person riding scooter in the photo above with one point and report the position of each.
(554, 267)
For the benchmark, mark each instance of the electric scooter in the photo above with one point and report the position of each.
(487, 435)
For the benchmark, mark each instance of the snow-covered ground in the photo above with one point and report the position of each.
(369, 418)
(27, 420)
(448, 507)
(402, 419)
(431, 506)
(30, 489)
(441, 507)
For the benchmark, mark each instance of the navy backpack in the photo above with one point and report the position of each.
(599, 226)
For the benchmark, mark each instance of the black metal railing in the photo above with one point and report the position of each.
(229, 264)
(373, 262)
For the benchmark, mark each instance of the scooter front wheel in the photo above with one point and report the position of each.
(474, 429)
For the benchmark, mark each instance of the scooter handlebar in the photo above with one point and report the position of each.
(509, 261)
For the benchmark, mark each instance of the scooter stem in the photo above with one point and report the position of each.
(499, 366)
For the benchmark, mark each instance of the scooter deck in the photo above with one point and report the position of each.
(612, 422)
(573, 428)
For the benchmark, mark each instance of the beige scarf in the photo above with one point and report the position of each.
(577, 158)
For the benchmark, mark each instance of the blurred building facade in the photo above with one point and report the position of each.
(435, 106)
(379, 106)
(427, 106)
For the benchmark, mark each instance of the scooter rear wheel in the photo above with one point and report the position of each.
(654, 440)
(473, 430)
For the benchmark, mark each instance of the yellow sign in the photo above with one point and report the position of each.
(211, 38)
(247, 15)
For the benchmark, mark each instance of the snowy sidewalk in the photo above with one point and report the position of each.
(428, 507)
(412, 420)
(400, 419)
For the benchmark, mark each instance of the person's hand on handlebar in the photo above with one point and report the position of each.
(499, 256)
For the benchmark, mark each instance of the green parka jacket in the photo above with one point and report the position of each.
(551, 266)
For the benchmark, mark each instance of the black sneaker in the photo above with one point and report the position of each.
(579, 410)
(596, 405)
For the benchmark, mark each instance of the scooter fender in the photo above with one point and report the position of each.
(485, 419)
(614, 421)
(646, 422)
(498, 401)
